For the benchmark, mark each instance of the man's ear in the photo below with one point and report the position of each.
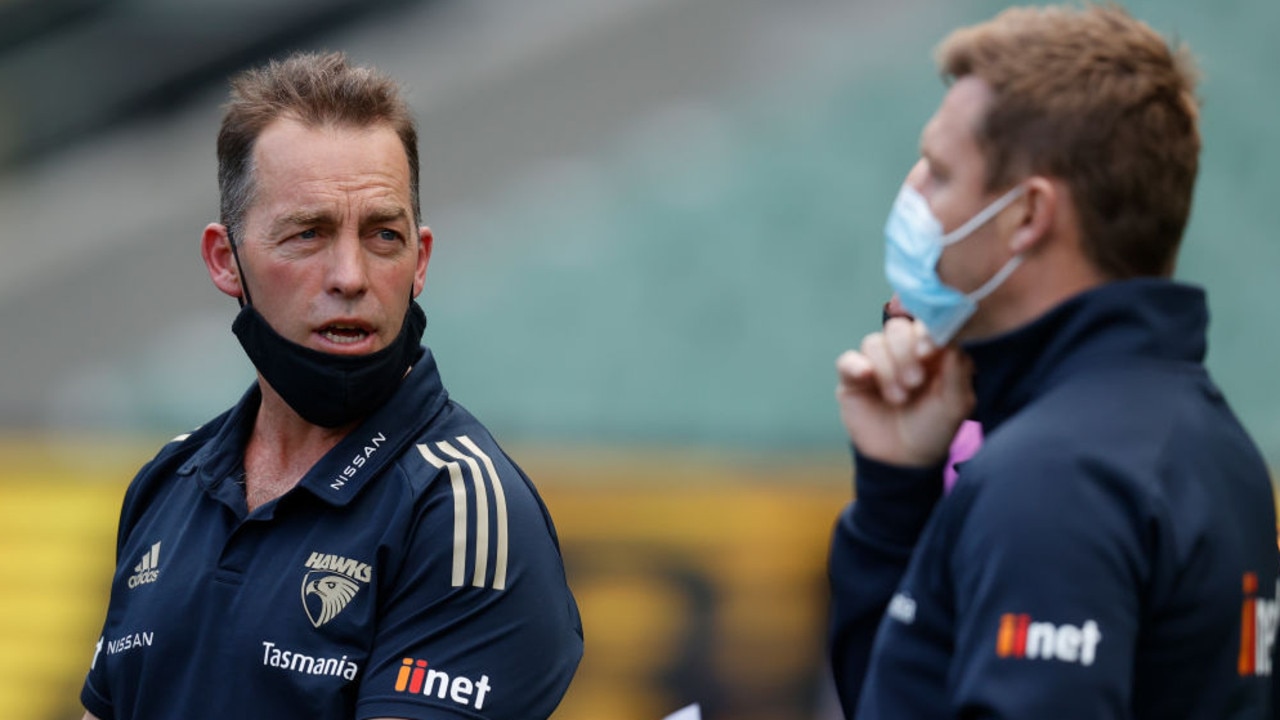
(220, 261)
(1039, 208)
(425, 241)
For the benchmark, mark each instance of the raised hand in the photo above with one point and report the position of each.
(902, 398)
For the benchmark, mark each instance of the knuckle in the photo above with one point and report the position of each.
(872, 342)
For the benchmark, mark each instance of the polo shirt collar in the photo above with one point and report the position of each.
(351, 464)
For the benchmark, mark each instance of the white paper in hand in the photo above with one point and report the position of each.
(692, 712)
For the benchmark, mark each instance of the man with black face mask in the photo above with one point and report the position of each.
(346, 541)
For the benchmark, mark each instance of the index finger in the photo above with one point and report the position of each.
(855, 370)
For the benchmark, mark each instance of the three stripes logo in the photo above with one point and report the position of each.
(148, 570)
(465, 462)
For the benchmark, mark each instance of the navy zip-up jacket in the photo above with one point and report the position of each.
(1110, 552)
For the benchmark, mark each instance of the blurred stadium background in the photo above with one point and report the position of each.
(657, 223)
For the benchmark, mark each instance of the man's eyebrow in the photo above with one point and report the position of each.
(324, 218)
(385, 215)
(301, 218)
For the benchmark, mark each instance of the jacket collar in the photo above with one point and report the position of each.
(1117, 322)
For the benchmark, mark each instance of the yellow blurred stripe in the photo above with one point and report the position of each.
(59, 503)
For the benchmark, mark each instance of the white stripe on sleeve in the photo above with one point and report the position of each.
(459, 513)
(500, 506)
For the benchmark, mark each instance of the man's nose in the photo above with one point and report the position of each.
(348, 269)
(916, 176)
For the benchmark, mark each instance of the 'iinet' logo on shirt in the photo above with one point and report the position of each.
(1019, 637)
(416, 678)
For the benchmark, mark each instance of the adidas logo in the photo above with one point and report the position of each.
(147, 571)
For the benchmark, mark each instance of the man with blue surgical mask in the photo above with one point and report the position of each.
(915, 242)
(1110, 550)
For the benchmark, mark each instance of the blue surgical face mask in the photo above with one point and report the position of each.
(913, 243)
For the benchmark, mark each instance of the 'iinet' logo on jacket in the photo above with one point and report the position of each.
(1020, 637)
(416, 678)
(1258, 619)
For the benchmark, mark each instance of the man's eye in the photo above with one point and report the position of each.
(390, 235)
(308, 235)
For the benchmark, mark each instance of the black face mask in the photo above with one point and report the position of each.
(325, 389)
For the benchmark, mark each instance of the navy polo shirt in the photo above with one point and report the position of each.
(412, 573)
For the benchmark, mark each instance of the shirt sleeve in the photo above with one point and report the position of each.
(93, 700)
(1047, 569)
(872, 545)
(479, 622)
(94, 693)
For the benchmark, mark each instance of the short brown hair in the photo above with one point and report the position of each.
(1101, 101)
(316, 90)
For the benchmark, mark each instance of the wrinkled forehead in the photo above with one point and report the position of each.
(291, 157)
